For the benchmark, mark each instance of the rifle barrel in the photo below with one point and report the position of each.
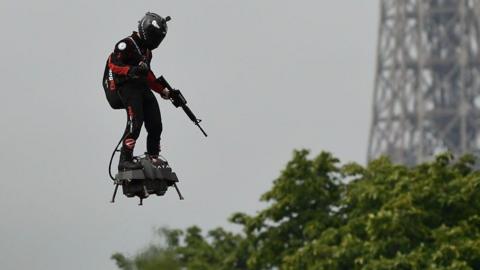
(201, 129)
(189, 113)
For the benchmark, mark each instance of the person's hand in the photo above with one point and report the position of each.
(165, 94)
(139, 71)
(143, 68)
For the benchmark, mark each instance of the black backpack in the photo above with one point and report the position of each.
(111, 92)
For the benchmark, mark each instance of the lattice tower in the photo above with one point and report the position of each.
(427, 84)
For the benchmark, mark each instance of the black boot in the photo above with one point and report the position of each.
(156, 160)
(126, 162)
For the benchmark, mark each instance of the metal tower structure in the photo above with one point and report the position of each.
(427, 83)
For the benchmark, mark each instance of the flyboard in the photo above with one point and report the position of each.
(151, 179)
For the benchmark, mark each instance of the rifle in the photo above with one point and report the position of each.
(179, 100)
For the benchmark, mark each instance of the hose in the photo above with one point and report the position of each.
(116, 148)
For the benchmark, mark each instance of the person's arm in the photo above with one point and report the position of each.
(153, 83)
(156, 86)
(118, 59)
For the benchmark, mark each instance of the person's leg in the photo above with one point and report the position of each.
(153, 123)
(134, 106)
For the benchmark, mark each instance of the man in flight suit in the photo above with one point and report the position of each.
(129, 76)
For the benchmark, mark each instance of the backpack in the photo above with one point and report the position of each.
(111, 92)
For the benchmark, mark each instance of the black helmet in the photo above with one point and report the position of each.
(152, 29)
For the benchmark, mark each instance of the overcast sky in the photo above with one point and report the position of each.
(267, 77)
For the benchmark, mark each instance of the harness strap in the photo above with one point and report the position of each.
(136, 46)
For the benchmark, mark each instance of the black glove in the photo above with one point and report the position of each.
(139, 71)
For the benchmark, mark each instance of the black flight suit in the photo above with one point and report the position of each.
(135, 94)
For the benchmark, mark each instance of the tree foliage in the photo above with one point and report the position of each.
(321, 215)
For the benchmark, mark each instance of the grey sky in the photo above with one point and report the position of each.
(266, 77)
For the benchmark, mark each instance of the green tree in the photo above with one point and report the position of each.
(320, 215)
(302, 201)
(187, 249)
(396, 217)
